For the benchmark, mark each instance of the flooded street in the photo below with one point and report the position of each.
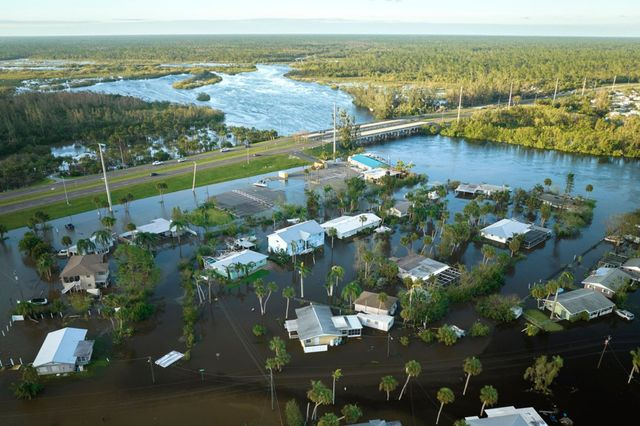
(225, 381)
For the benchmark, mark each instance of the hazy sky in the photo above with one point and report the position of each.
(538, 17)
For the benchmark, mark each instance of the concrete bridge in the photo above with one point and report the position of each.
(377, 131)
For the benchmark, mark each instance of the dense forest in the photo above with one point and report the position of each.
(31, 123)
(572, 125)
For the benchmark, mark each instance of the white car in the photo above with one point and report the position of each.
(225, 149)
(181, 160)
(625, 314)
(157, 163)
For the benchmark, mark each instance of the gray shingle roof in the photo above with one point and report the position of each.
(611, 278)
(314, 321)
(584, 299)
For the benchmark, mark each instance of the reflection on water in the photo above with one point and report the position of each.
(264, 99)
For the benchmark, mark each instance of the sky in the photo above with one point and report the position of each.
(499, 17)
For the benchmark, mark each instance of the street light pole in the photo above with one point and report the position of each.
(64, 185)
(153, 376)
(106, 182)
(193, 185)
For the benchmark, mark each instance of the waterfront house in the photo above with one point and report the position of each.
(473, 189)
(347, 226)
(379, 322)
(504, 230)
(297, 239)
(160, 227)
(571, 304)
(317, 328)
(64, 351)
(421, 268)
(368, 302)
(376, 175)
(88, 273)
(366, 162)
(632, 265)
(507, 416)
(236, 264)
(400, 209)
(607, 281)
(98, 248)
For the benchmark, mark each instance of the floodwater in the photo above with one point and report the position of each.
(264, 99)
(233, 389)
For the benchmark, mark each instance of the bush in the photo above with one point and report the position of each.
(497, 307)
(30, 386)
(292, 414)
(446, 335)
(259, 330)
(203, 97)
(404, 341)
(426, 335)
(478, 329)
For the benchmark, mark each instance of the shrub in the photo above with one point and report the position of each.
(426, 335)
(259, 330)
(497, 307)
(479, 329)
(446, 335)
(292, 414)
(404, 341)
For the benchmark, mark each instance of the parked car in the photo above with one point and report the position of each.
(181, 160)
(625, 314)
(39, 301)
(225, 149)
(63, 253)
(69, 226)
(157, 163)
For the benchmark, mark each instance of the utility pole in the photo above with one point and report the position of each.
(64, 185)
(459, 105)
(106, 182)
(389, 339)
(613, 86)
(555, 91)
(510, 93)
(334, 132)
(193, 184)
(272, 396)
(201, 374)
(153, 376)
(584, 86)
(606, 343)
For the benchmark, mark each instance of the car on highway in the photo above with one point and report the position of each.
(181, 160)
(157, 163)
(225, 149)
(153, 174)
(625, 314)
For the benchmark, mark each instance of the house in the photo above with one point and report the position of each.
(607, 280)
(367, 162)
(369, 303)
(99, 247)
(160, 227)
(508, 416)
(379, 322)
(89, 273)
(236, 264)
(400, 209)
(473, 189)
(632, 265)
(504, 230)
(560, 201)
(347, 226)
(421, 268)
(376, 175)
(571, 304)
(64, 351)
(317, 328)
(297, 239)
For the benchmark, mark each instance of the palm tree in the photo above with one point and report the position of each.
(319, 395)
(472, 366)
(337, 273)
(85, 246)
(538, 292)
(178, 226)
(45, 265)
(350, 413)
(332, 233)
(488, 253)
(303, 271)
(548, 182)
(108, 222)
(102, 237)
(406, 242)
(413, 369)
(445, 396)
(161, 187)
(261, 292)
(367, 257)
(271, 287)
(388, 384)
(382, 297)
(351, 291)
(66, 241)
(488, 397)
(427, 241)
(635, 363)
(336, 375)
(288, 293)
(146, 240)
(589, 188)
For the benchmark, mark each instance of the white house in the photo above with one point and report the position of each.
(632, 265)
(347, 226)
(64, 351)
(504, 230)
(507, 416)
(473, 189)
(237, 264)
(88, 273)
(376, 175)
(379, 322)
(607, 281)
(369, 303)
(99, 247)
(571, 304)
(421, 268)
(317, 328)
(297, 239)
(160, 227)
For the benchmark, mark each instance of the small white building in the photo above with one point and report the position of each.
(607, 281)
(369, 303)
(297, 239)
(504, 230)
(507, 416)
(376, 175)
(64, 351)
(88, 273)
(347, 226)
(379, 322)
(317, 328)
(237, 264)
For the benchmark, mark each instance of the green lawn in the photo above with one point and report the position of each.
(540, 319)
(175, 183)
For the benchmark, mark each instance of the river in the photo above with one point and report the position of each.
(232, 356)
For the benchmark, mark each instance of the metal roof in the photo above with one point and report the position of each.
(345, 224)
(314, 321)
(84, 348)
(508, 416)
(506, 228)
(59, 346)
(420, 266)
(611, 278)
(299, 231)
(243, 257)
(632, 263)
(169, 359)
(582, 300)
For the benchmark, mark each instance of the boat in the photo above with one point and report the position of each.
(262, 183)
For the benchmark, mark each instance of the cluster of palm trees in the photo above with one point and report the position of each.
(319, 395)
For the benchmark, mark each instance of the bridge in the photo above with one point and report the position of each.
(377, 131)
